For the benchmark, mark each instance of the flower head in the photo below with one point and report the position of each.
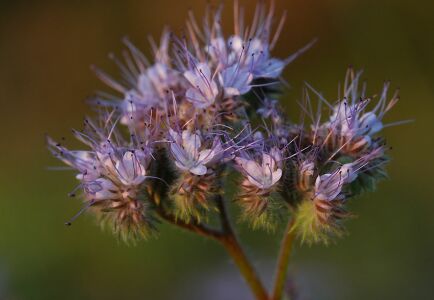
(189, 112)
(144, 88)
(112, 179)
(260, 163)
(352, 119)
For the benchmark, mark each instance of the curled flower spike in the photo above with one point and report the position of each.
(319, 216)
(112, 180)
(144, 86)
(322, 209)
(120, 193)
(240, 61)
(196, 160)
(249, 55)
(352, 126)
(262, 172)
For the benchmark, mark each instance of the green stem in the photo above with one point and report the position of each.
(236, 252)
(195, 227)
(232, 246)
(283, 261)
(226, 237)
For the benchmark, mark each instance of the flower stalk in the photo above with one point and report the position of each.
(232, 246)
(227, 238)
(230, 243)
(283, 261)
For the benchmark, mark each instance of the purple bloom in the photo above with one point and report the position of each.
(144, 86)
(193, 102)
(191, 154)
(203, 90)
(352, 117)
(235, 80)
(265, 172)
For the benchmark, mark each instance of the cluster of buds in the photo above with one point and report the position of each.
(206, 106)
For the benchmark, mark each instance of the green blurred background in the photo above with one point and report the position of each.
(46, 48)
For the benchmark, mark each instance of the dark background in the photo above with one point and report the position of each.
(46, 48)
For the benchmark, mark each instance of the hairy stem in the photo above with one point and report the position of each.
(236, 252)
(282, 261)
(232, 246)
(193, 227)
(226, 237)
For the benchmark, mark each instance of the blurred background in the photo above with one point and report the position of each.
(46, 48)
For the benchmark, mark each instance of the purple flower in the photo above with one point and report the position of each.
(203, 90)
(265, 172)
(352, 118)
(255, 54)
(144, 86)
(328, 186)
(235, 80)
(191, 154)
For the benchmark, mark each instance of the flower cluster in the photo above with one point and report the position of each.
(346, 157)
(112, 175)
(206, 107)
